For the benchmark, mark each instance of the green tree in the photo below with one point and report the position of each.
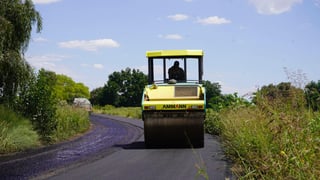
(67, 89)
(124, 88)
(213, 91)
(312, 91)
(80, 90)
(96, 96)
(14, 73)
(218, 103)
(283, 96)
(37, 101)
(110, 93)
(16, 21)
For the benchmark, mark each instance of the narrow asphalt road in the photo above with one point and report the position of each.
(114, 149)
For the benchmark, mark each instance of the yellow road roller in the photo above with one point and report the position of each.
(173, 102)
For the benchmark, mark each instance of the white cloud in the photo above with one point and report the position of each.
(188, 0)
(45, 1)
(40, 39)
(213, 20)
(270, 7)
(98, 66)
(171, 36)
(317, 3)
(91, 45)
(50, 62)
(45, 61)
(178, 17)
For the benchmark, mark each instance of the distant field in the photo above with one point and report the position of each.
(129, 112)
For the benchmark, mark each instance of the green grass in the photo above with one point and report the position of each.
(16, 133)
(128, 112)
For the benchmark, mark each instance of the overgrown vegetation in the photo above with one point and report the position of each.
(277, 137)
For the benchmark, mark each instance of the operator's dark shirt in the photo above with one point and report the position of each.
(176, 73)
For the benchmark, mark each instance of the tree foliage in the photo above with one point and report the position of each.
(96, 96)
(213, 91)
(282, 96)
(67, 89)
(123, 88)
(14, 73)
(38, 101)
(312, 91)
(16, 21)
(218, 103)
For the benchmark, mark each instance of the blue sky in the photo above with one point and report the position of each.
(247, 43)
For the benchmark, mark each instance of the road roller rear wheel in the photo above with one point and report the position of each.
(174, 129)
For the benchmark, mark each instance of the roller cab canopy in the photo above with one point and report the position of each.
(160, 61)
(170, 53)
